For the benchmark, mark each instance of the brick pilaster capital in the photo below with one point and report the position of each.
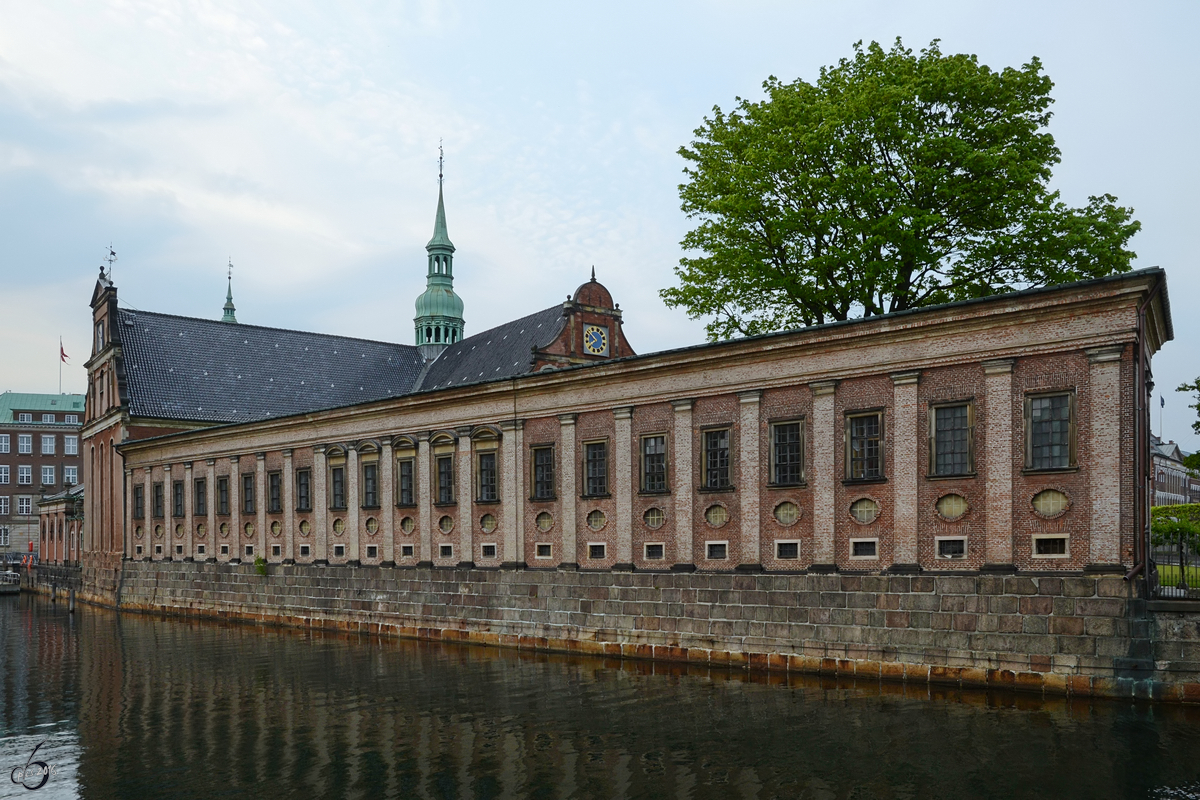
(210, 461)
(287, 453)
(905, 378)
(260, 456)
(682, 405)
(1101, 355)
(623, 412)
(566, 419)
(750, 396)
(822, 388)
(512, 424)
(999, 366)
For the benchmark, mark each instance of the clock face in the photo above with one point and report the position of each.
(595, 339)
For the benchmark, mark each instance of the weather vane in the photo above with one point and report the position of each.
(231, 268)
(441, 159)
(110, 258)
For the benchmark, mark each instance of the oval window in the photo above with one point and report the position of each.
(596, 520)
(446, 524)
(224, 529)
(952, 506)
(276, 528)
(339, 526)
(372, 525)
(304, 527)
(138, 532)
(249, 529)
(654, 517)
(487, 523)
(544, 521)
(201, 530)
(864, 511)
(158, 531)
(179, 531)
(408, 525)
(787, 512)
(716, 515)
(1051, 502)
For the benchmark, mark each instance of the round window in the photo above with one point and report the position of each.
(487, 523)
(339, 526)
(372, 525)
(654, 517)
(787, 512)
(865, 510)
(544, 521)
(201, 530)
(249, 529)
(952, 506)
(716, 515)
(596, 519)
(408, 525)
(224, 529)
(446, 524)
(304, 527)
(1051, 503)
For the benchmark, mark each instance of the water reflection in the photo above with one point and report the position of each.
(142, 707)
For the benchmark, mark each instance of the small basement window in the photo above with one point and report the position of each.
(654, 552)
(864, 548)
(339, 550)
(200, 549)
(1050, 547)
(276, 550)
(138, 550)
(304, 551)
(406, 551)
(716, 551)
(178, 549)
(158, 549)
(372, 551)
(544, 550)
(596, 550)
(488, 551)
(446, 551)
(787, 550)
(955, 548)
(224, 549)
(249, 549)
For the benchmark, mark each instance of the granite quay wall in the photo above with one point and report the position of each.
(59, 578)
(1082, 635)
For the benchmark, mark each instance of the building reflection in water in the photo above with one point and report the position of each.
(170, 707)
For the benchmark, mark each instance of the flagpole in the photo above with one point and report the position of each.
(60, 352)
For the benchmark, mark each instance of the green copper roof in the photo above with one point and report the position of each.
(229, 309)
(440, 237)
(439, 301)
(62, 403)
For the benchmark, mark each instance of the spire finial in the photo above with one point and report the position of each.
(441, 160)
(229, 307)
(593, 273)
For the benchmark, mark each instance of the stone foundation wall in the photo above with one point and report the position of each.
(1086, 635)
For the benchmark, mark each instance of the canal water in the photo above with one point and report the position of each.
(133, 706)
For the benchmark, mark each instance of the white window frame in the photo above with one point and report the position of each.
(305, 551)
(4, 505)
(25, 444)
(495, 553)
(799, 549)
(711, 542)
(4, 474)
(5, 442)
(48, 471)
(4, 536)
(537, 554)
(874, 539)
(200, 550)
(71, 473)
(442, 547)
(646, 555)
(24, 475)
(937, 550)
(25, 503)
(590, 545)
(47, 418)
(70, 445)
(71, 419)
(24, 417)
(1037, 536)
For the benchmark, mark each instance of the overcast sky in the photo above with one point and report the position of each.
(300, 140)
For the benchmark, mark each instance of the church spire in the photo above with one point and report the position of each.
(439, 320)
(229, 308)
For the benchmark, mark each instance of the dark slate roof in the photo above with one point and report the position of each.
(501, 352)
(196, 369)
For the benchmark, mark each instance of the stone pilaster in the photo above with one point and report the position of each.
(210, 488)
(260, 506)
(353, 533)
(825, 442)
(998, 456)
(1104, 460)
(512, 519)
(623, 485)
(683, 484)
(387, 504)
(168, 521)
(128, 521)
(904, 469)
(320, 506)
(236, 534)
(289, 506)
(749, 481)
(189, 489)
(424, 501)
(567, 460)
(464, 471)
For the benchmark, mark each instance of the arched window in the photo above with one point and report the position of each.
(429, 334)
(437, 334)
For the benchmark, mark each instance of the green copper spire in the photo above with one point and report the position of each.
(229, 309)
(439, 320)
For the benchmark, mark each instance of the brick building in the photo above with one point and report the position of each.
(39, 455)
(995, 435)
(1173, 482)
(60, 528)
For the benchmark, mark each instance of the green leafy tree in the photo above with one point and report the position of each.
(895, 181)
(1194, 386)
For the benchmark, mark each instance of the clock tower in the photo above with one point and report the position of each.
(439, 320)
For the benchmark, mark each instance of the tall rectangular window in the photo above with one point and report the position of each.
(716, 459)
(4, 535)
(543, 473)
(303, 490)
(1050, 431)
(445, 479)
(223, 495)
(47, 444)
(370, 487)
(951, 445)
(3, 474)
(159, 500)
(337, 487)
(4, 506)
(596, 462)
(177, 499)
(139, 502)
(487, 477)
(71, 445)
(70, 475)
(274, 492)
(248, 493)
(5, 443)
(787, 454)
(25, 443)
(24, 506)
(654, 463)
(864, 446)
(406, 489)
(200, 497)
(24, 475)
(48, 476)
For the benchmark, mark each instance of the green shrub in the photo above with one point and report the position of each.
(1168, 524)
(260, 565)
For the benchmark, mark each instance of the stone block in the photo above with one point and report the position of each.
(1020, 585)
(951, 585)
(1066, 626)
(1114, 587)
(1101, 607)
(1079, 587)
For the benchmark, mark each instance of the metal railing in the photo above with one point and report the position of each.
(1174, 570)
